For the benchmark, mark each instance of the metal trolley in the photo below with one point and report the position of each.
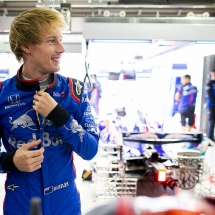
(111, 180)
(117, 175)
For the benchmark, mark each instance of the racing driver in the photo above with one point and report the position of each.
(44, 118)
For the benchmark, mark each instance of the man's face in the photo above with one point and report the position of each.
(212, 75)
(45, 57)
(184, 80)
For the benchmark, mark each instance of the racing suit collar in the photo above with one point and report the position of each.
(33, 84)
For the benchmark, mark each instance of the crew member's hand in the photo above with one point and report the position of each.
(27, 160)
(43, 103)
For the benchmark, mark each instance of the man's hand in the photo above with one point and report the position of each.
(43, 103)
(28, 161)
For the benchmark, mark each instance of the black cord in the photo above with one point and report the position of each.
(86, 69)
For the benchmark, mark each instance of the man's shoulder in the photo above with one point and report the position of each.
(195, 87)
(5, 83)
(66, 79)
(76, 87)
(192, 87)
(210, 85)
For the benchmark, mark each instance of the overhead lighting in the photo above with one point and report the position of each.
(190, 14)
(206, 14)
(205, 42)
(122, 13)
(121, 41)
(106, 13)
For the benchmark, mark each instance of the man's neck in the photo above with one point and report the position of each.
(40, 81)
(35, 75)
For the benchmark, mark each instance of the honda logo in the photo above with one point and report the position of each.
(14, 99)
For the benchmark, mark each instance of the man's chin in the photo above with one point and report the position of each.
(57, 69)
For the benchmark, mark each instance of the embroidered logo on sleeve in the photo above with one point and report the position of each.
(75, 127)
(78, 88)
(12, 187)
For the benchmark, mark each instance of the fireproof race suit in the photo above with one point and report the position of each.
(69, 127)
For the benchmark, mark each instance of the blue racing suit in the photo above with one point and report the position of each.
(188, 97)
(69, 127)
(210, 95)
(187, 104)
(210, 102)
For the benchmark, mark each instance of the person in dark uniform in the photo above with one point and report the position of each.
(186, 96)
(210, 103)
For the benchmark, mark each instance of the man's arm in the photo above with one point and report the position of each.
(81, 132)
(78, 131)
(209, 91)
(22, 159)
(178, 94)
(6, 158)
(2, 170)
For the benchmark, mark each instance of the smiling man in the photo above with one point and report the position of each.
(44, 118)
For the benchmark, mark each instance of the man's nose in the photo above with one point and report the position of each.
(60, 48)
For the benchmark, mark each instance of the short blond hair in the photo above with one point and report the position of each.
(28, 27)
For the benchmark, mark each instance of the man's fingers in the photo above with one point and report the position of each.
(40, 93)
(32, 144)
(36, 97)
(39, 166)
(36, 153)
(36, 160)
(34, 168)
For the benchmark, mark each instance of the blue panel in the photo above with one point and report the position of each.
(179, 66)
(5, 71)
(176, 103)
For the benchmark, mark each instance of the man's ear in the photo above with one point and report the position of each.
(25, 48)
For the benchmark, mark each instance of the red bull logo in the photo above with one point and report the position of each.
(25, 121)
(46, 140)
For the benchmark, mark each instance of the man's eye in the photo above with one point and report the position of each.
(51, 41)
